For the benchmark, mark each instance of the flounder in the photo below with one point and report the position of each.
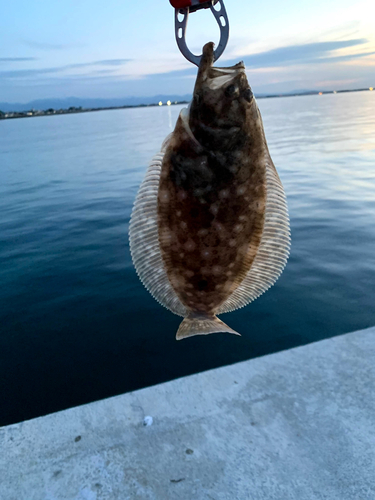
(209, 230)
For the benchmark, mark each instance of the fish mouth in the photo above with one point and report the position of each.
(237, 68)
(217, 77)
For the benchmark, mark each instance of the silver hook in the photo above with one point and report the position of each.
(180, 29)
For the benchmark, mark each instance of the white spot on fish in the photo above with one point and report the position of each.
(238, 228)
(232, 243)
(190, 246)
(164, 196)
(183, 225)
(217, 270)
(224, 193)
(206, 254)
(214, 208)
(241, 190)
(219, 227)
(202, 232)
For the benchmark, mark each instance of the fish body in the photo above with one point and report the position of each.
(209, 230)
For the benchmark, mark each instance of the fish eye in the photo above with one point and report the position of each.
(230, 91)
(248, 95)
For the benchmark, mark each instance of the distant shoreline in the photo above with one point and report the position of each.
(73, 110)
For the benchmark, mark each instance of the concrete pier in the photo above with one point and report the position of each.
(296, 425)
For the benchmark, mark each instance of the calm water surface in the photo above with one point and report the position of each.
(76, 325)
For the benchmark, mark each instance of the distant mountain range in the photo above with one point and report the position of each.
(68, 102)
(83, 102)
(87, 103)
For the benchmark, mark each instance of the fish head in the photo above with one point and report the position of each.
(222, 104)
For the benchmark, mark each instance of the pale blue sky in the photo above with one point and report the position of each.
(112, 48)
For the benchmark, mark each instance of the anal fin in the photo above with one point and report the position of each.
(202, 325)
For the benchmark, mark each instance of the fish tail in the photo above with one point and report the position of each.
(202, 325)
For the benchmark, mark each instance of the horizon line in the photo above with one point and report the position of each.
(74, 109)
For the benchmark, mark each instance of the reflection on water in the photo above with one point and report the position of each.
(77, 325)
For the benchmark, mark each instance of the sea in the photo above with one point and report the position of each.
(76, 324)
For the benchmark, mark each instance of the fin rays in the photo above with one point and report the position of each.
(274, 247)
(144, 240)
(202, 326)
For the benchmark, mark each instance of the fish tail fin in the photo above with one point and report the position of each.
(202, 325)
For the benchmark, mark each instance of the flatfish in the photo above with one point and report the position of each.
(209, 230)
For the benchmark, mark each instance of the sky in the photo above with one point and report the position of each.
(112, 48)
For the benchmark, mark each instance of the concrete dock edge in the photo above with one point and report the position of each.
(298, 424)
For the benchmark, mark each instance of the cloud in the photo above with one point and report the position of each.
(17, 59)
(277, 70)
(350, 57)
(111, 62)
(178, 73)
(49, 46)
(24, 73)
(300, 54)
(292, 55)
(105, 62)
(309, 53)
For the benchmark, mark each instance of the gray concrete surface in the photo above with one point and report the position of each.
(299, 424)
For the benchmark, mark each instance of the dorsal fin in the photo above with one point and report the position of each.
(274, 247)
(144, 239)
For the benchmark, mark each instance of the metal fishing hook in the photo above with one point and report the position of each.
(184, 7)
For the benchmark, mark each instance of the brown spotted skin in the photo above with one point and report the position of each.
(212, 193)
